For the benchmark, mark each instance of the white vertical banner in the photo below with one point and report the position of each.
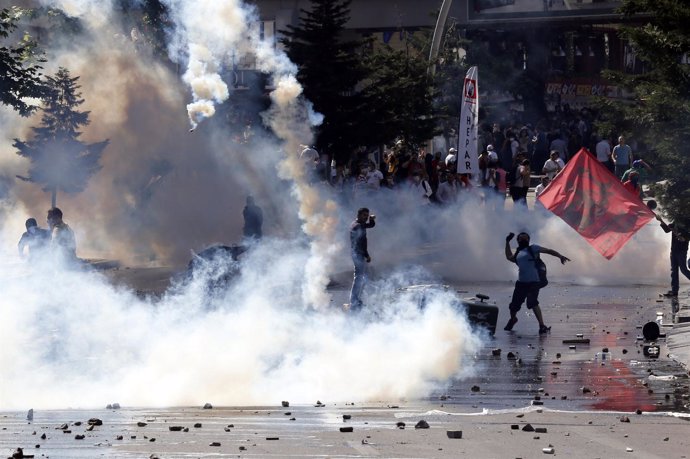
(468, 162)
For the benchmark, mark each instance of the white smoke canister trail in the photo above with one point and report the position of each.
(291, 120)
(207, 86)
(212, 28)
(206, 31)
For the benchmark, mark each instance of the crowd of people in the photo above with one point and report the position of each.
(510, 160)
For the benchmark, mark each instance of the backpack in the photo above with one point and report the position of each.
(539, 264)
(541, 268)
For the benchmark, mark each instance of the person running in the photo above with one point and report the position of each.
(528, 284)
(360, 255)
(62, 239)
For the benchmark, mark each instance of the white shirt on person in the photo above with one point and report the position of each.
(520, 176)
(603, 150)
(551, 167)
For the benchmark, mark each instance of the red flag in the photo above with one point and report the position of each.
(589, 198)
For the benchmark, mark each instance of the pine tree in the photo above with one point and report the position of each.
(59, 160)
(20, 76)
(329, 70)
(660, 111)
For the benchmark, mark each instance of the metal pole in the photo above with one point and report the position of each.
(435, 45)
(438, 34)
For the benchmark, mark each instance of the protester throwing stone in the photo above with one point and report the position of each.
(360, 255)
(528, 284)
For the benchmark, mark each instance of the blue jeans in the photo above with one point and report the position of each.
(358, 282)
(678, 262)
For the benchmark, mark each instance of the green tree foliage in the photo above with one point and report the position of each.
(369, 95)
(59, 160)
(20, 76)
(329, 70)
(398, 98)
(660, 111)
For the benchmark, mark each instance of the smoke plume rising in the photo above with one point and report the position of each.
(206, 31)
(71, 339)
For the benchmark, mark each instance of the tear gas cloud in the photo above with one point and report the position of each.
(163, 192)
(149, 179)
(251, 343)
(465, 242)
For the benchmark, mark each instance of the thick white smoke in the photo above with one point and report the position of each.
(96, 13)
(212, 32)
(247, 342)
(208, 33)
(71, 339)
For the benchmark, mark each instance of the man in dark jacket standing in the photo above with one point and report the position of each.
(679, 254)
(360, 254)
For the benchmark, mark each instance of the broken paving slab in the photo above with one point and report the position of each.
(576, 341)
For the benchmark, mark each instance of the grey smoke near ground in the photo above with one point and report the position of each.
(466, 242)
(248, 342)
(163, 192)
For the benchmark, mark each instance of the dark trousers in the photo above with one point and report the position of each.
(519, 194)
(679, 261)
(524, 291)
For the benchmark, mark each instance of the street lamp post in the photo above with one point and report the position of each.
(438, 34)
